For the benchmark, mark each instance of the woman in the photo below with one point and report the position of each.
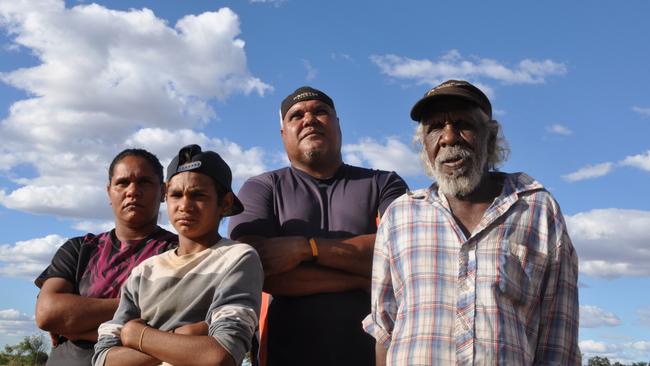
(80, 288)
(198, 304)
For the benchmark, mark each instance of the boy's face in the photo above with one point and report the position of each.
(193, 205)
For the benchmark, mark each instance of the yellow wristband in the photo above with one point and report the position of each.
(314, 248)
(142, 336)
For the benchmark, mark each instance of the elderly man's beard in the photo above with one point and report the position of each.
(466, 178)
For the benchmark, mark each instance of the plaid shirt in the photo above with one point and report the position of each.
(505, 295)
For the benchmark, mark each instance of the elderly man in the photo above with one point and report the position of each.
(314, 226)
(477, 269)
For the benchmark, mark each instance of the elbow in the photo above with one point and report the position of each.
(216, 356)
(44, 316)
(48, 317)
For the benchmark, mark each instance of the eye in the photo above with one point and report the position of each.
(434, 126)
(121, 182)
(295, 116)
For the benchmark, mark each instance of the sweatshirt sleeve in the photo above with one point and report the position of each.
(234, 313)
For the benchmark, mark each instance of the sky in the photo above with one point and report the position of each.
(569, 82)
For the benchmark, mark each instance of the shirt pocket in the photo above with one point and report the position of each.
(521, 272)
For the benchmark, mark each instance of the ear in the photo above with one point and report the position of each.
(108, 193)
(227, 202)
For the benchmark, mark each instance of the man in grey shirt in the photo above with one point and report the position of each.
(313, 225)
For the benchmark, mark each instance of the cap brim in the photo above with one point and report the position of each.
(422, 104)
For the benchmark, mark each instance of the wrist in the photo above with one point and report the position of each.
(313, 249)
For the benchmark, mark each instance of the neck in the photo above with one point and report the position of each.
(485, 192)
(321, 169)
(194, 245)
(124, 232)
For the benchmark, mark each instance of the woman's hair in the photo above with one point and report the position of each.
(141, 153)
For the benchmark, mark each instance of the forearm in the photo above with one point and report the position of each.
(65, 313)
(178, 349)
(125, 356)
(380, 354)
(284, 253)
(353, 255)
(308, 280)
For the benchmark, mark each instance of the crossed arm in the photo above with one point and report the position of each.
(187, 345)
(342, 264)
(60, 311)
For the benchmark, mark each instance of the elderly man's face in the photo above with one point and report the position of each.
(456, 142)
(310, 130)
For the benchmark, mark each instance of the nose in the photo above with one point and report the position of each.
(450, 135)
(133, 190)
(309, 119)
(184, 204)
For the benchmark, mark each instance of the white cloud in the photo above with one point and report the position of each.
(394, 155)
(94, 226)
(243, 163)
(644, 315)
(65, 200)
(641, 161)
(642, 111)
(593, 316)
(311, 71)
(15, 323)
(102, 76)
(453, 65)
(611, 242)
(28, 258)
(625, 353)
(559, 129)
(588, 172)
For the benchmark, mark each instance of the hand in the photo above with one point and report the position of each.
(130, 333)
(198, 328)
(283, 254)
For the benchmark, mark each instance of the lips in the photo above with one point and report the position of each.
(309, 133)
(131, 206)
(454, 163)
(185, 220)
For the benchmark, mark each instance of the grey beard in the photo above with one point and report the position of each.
(465, 180)
(312, 154)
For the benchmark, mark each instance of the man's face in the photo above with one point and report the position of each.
(135, 192)
(456, 142)
(310, 130)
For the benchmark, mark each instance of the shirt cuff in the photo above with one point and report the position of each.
(376, 331)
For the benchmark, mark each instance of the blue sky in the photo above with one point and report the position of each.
(569, 82)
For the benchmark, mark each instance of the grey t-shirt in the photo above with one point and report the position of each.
(321, 329)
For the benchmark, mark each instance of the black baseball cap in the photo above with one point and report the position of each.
(208, 163)
(452, 88)
(301, 94)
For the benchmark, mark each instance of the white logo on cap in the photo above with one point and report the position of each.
(188, 166)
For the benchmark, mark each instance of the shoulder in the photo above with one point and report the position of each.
(528, 188)
(264, 183)
(270, 176)
(381, 177)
